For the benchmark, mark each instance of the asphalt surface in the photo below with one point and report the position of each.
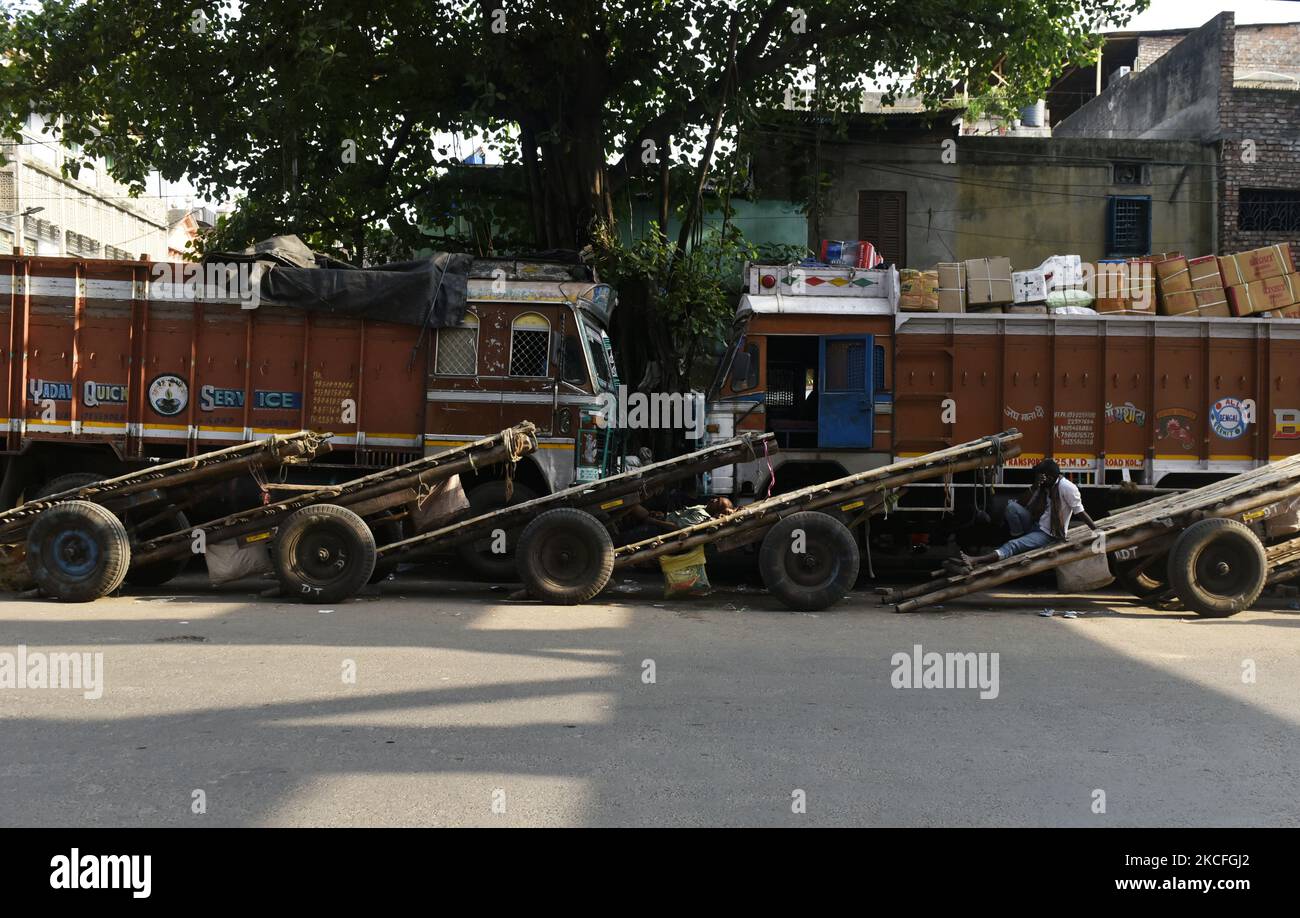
(468, 709)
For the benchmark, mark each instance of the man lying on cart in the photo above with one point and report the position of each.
(1054, 499)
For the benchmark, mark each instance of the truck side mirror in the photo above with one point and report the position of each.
(740, 368)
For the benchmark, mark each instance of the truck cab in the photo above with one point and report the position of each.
(810, 361)
(533, 346)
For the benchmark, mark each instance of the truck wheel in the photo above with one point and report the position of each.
(78, 551)
(478, 555)
(160, 572)
(809, 560)
(1145, 583)
(1217, 567)
(565, 556)
(324, 554)
(67, 483)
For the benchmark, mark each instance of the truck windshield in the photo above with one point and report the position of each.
(596, 347)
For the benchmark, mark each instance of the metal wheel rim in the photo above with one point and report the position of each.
(75, 554)
(814, 566)
(1223, 568)
(565, 558)
(322, 554)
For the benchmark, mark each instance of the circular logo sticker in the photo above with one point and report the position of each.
(1228, 418)
(168, 395)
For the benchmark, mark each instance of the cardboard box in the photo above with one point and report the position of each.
(1215, 299)
(1029, 286)
(1142, 282)
(1172, 276)
(1289, 312)
(1263, 295)
(988, 281)
(952, 287)
(918, 290)
(1062, 272)
(1025, 309)
(1204, 272)
(1256, 265)
(1215, 310)
(1178, 304)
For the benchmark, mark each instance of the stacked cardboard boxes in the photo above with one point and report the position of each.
(1260, 280)
(988, 282)
(1126, 287)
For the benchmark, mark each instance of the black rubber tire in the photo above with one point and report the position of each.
(67, 483)
(822, 574)
(477, 555)
(565, 556)
(78, 551)
(160, 572)
(1147, 584)
(324, 554)
(1217, 568)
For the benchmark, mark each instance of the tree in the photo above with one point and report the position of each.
(331, 118)
(326, 115)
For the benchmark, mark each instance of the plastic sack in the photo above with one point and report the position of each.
(231, 560)
(684, 574)
(1090, 573)
(1059, 298)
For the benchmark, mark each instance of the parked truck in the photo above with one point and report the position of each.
(108, 366)
(1128, 406)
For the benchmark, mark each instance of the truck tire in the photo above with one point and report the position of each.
(1217, 567)
(1146, 583)
(324, 554)
(160, 572)
(78, 551)
(478, 555)
(67, 483)
(565, 556)
(821, 574)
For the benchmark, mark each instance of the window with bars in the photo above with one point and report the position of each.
(1270, 210)
(1128, 225)
(530, 344)
(457, 353)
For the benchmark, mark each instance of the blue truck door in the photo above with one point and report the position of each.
(845, 402)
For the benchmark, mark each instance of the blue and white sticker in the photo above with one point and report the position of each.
(1230, 417)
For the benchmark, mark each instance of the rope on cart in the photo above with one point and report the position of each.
(771, 473)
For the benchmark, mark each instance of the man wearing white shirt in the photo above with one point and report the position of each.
(1061, 504)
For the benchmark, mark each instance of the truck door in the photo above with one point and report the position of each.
(844, 412)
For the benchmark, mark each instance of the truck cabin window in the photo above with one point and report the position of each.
(457, 348)
(744, 368)
(530, 344)
(596, 347)
(575, 362)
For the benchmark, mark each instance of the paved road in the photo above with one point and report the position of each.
(464, 704)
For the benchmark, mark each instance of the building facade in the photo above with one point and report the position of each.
(44, 212)
(1235, 90)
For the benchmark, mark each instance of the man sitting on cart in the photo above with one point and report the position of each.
(1059, 501)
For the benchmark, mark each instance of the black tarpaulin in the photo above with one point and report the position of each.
(428, 291)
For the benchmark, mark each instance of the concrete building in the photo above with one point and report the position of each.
(924, 193)
(1234, 90)
(90, 215)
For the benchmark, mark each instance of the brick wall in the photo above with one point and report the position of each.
(1260, 131)
(1152, 47)
(1274, 47)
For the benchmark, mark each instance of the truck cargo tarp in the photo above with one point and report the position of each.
(428, 291)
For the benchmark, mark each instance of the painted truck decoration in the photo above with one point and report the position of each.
(95, 356)
(822, 358)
